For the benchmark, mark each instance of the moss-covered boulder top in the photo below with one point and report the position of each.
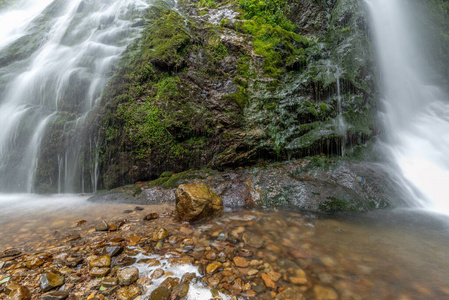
(233, 83)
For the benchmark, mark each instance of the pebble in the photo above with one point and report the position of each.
(158, 273)
(113, 250)
(102, 226)
(160, 293)
(109, 282)
(160, 234)
(56, 295)
(240, 262)
(99, 272)
(213, 267)
(252, 272)
(10, 253)
(21, 293)
(128, 292)
(100, 262)
(245, 252)
(268, 282)
(151, 216)
(35, 262)
(127, 276)
(134, 240)
(50, 281)
(324, 293)
(290, 294)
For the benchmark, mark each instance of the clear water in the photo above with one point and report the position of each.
(416, 111)
(379, 255)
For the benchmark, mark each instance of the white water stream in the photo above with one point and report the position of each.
(416, 112)
(56, 56)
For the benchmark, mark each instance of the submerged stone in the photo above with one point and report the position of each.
(102, 226)
(50, 281)
(127, 276)
(161, 293)
(160, 234)
(56, 295)
(21, 293)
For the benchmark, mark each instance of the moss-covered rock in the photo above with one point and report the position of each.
(233, 83)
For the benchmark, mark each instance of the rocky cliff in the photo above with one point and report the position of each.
(224, 84)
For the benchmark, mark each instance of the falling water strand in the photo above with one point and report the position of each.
(416, 113)
(68, 49)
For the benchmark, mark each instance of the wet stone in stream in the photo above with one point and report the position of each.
(246, 255)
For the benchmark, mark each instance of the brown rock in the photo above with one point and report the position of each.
(240, 262)
(102, 226)
(253, 241)
(169, 283)
(127, 276)
(99, 272)
(290, 294)
(160, 234)
(57, 295)
(161, 293)
(158, 273)
(22, 293)
(180, 291)
(134, 240)
(100, 262)
(213, 267)
(153, 263)
(274, 275)
(11, 286)
(324, 293)
(195, 202)
(268, 282)
(177, 261)
(109, 282)
(128, 292)
(35, 262)
(151, 216)
(50, 281)
(10, 253)
(245, 252)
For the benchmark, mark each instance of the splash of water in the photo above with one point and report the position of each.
(416, 112)
(56, 56)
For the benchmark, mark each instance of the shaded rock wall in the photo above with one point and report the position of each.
(227, 84)
(314, 185)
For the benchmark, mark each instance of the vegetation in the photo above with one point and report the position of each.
(194, 95)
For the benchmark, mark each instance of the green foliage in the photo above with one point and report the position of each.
(167, 88)
(144, 127)
(240, 97)
(272, 11)
(274, 36)
(206, 3)
(173, 181)
(166, 38)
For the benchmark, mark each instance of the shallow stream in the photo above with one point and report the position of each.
(378, 255)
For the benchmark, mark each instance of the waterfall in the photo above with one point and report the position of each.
(415, 111)
(56, 56)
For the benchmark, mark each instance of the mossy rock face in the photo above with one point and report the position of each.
(210, 88)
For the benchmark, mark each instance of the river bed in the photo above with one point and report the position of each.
(399, 254)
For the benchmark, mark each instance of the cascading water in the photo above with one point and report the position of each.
(55, 59)
(416, 112)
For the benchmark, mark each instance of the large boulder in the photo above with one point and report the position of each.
(195, 202)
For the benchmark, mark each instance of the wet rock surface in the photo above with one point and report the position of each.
(197, 202)
(300, 257)
(304, 184)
